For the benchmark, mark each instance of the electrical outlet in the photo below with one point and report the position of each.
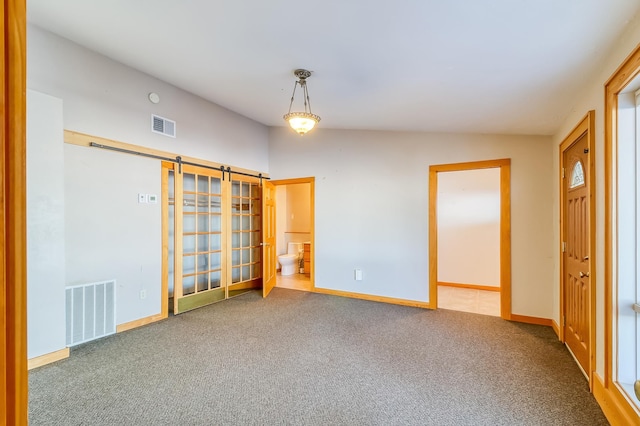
(142, 198)
(143, 294)
(357, 274)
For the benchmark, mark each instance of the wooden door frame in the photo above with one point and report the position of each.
(312, 201)
(13, 215)
(505, 227)
(614, 403)
(586, 128)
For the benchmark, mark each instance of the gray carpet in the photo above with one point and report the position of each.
(309, 359)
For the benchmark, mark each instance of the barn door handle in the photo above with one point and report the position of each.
(584, 274)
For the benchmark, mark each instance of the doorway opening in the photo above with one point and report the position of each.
(470, 237)
(294, 230)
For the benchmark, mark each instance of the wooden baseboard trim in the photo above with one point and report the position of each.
(531, 320)
(556, 328)
(471, 286)
(138, 323)
(372, 298)
(45, 359)
(614, 405)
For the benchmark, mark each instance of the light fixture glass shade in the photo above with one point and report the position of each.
(301, 122)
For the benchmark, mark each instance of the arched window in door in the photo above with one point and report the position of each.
(577, 175)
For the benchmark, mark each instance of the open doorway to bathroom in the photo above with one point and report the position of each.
(295, 233)
(470, 251)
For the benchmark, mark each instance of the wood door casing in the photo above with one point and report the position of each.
(576, 256)
(268, 237)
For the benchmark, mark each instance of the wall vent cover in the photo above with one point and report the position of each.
(91, 311)
(162, 125)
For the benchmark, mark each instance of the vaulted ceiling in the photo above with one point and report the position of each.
(485, 66)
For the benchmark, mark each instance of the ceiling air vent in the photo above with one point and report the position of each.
(163, 126)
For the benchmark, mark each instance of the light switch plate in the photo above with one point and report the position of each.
(152, 198)
(142, 198)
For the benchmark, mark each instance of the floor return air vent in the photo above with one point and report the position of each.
(91, 311)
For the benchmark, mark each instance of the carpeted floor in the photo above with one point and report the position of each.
(309, 359)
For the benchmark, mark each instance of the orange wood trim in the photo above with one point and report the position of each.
(293, 181)
(81, 139)
(532, 320)
(505, 238)
(433, 237)
(312, 238)
(473, 165)
(556, 328)
(139, 323)
(586, 126)
(471, 286)
(164, 291)
(505, 227)
(614, 405)
(373, 298)
(593, 344)
(13, 257)
(625, 73)
(45, 359)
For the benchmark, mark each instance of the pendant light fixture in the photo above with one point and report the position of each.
(301, 121)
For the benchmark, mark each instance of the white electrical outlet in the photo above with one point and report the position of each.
(143, 294)
(357, 274)
(142, 198)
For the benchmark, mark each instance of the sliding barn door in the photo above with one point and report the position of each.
(199, 237)
(244, 248)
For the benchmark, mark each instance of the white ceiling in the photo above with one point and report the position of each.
(486, 66)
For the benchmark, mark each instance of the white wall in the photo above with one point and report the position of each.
(281, 219)
(298, 204)
(371, 207)
(107, 234)
(591, 98)
(45, 225)
(469, 227)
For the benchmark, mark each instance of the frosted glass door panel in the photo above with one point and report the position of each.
(202, 236)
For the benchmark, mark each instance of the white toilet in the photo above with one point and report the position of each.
(290, 262)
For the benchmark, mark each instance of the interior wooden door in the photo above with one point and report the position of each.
(268, 238)
(577, 250)
(199, 238)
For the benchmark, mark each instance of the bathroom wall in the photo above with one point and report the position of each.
(298, 213)
(469, 227)
(281, 219)
(293, 215)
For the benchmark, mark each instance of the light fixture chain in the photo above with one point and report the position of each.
(293, 96)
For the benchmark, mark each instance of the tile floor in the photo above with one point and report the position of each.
(469, 300)
(293, 282)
